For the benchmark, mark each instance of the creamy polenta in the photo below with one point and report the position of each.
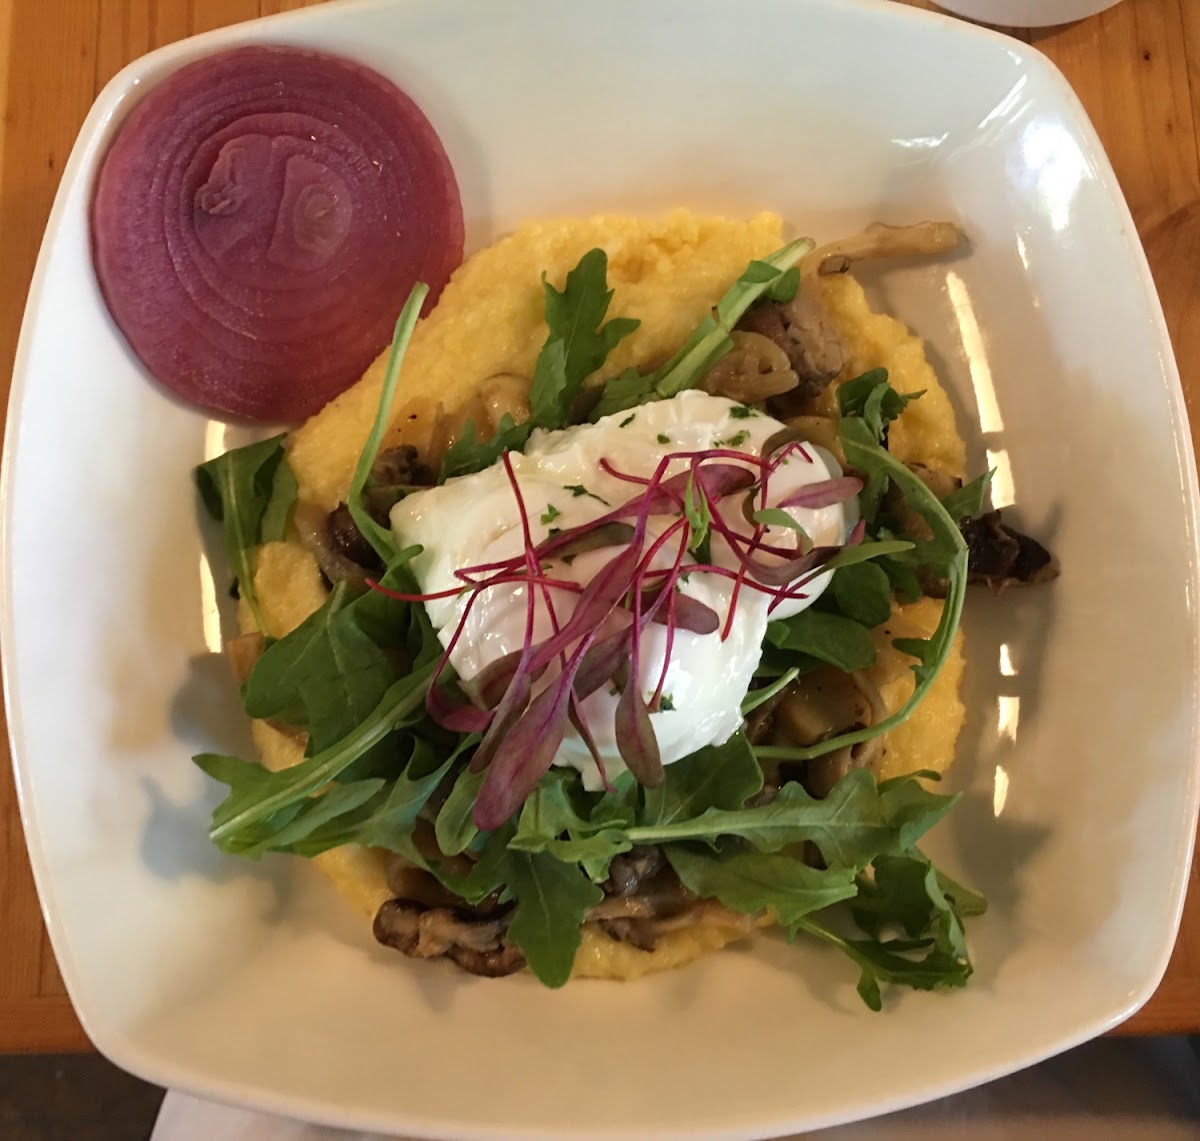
(489, 322)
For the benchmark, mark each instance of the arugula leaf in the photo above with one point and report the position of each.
(307, 829)
(579, 341)
(832, 638)
(902, 575)
(552, 899)
(395, 625)
(887, 962)
(487, 874)
(967, 501)
(863, 592)
(854, 824)
(454, 828)
(907, 891)
(756, 697)
(380, 537)
(548, 814)
(577, 344)
(873, 400)
(277, 516)
(912, 808)
(753, 882)
(945, 553)
(251, 491)
(778, 517)
(718, 776)
(325, 676)
(708, 343)
(375, 813)
(255, 797)
(785, 287)
(391, 825)
(618, 808)
(871, 549)
(468, 454)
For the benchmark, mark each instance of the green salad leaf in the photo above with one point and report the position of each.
(577, 344)
(863, 592)
(905, 891)
(579, 341)
(832, 638)
(470, 454)
(324, 677)
(753, 882)
(718, 776)
(380, 537)
(552, 899)
(255, 797)
(710, 340)
(331, 671)
(251, 491)
(968, 500)
(945, 553)
(454, 829)
(870, 398)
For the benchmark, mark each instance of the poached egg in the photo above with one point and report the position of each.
(475, 519)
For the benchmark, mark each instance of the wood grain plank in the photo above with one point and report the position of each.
(931, 6)
(41, 1026)
(82, 45)
(1173, 249)
(50, 980)
(1134, 70)
(274, 7)
(39, 124)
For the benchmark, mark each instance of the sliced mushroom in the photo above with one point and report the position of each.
(645, 933)
(826, 704)
(1000, 556)
(494, 964)
(314, 529)
(923, 239)
(823, 773)
(395, 472)
(627, 872)
(755, 369)
(475, 943)
(805, 333)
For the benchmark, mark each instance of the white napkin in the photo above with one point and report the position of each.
(1109, 1090)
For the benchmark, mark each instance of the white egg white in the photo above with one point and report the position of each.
(474, 520)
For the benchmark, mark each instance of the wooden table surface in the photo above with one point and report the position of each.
(1136, 69)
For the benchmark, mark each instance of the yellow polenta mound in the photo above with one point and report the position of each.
(667, 272)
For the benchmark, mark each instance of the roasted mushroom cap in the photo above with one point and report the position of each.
(803, 329)
(476, 943)
(1000, 556)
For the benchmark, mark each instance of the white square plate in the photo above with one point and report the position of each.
(252, 983)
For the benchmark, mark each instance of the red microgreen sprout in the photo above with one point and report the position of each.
(599, 642)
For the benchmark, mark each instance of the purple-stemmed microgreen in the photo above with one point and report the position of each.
(526, 701)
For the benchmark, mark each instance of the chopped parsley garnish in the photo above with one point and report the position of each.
(550, 514)
(734, 441)
(577, 490)
(742, 412)
(663, 438)
(628, 420)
